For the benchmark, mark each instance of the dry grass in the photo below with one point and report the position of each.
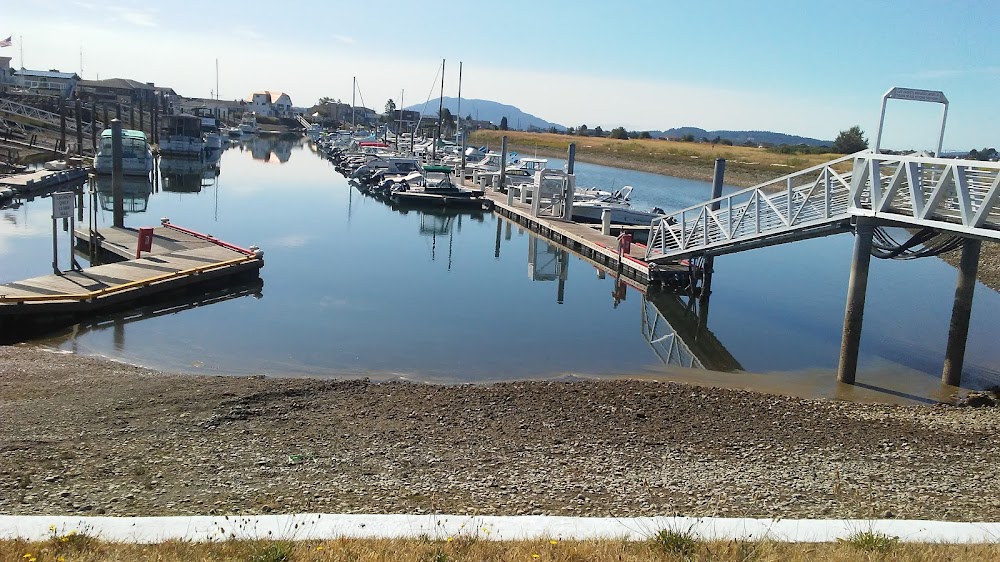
(475, 548)
(745, 166)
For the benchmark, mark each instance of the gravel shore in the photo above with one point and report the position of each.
(88, 436)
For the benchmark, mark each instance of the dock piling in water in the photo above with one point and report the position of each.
(958, 332)
(717, 178)
(857, 289)
(117, 193)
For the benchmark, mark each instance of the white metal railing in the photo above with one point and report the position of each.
(46, 117)
(961, 196)
(664, 339)
(813, 197)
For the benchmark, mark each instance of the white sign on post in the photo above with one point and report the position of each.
(63, 204)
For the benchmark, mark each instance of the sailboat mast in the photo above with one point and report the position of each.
(354, 88)
(440, 109)
(458, 118)
(399, 129)
(216, 79)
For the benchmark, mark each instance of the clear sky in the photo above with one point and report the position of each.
(802, 67)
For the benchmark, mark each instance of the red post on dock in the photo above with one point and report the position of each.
(145, 242)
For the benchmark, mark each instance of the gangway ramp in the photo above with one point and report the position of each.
(956, 196)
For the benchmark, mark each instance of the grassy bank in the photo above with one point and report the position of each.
(745, 166)
(667, 545)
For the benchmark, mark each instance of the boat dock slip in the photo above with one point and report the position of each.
(43, 179)
(179, 260)
(588, 241)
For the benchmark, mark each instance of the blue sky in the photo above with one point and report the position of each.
(804, 67)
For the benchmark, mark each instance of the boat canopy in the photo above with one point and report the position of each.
(126, 134)
(445, 169)
(375, 144)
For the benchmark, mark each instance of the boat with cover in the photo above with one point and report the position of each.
(248, 124)
(137, 157)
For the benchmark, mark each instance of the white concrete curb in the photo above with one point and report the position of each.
(311, 526)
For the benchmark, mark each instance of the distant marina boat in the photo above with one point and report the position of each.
(180, 135)
(248, 124)
(137, 157)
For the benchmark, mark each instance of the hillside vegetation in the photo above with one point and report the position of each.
(745, 166)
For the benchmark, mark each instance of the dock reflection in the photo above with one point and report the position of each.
(117, 322)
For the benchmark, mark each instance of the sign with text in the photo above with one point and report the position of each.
(913, 94)
(63, 204)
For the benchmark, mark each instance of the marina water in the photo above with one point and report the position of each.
(353, 287)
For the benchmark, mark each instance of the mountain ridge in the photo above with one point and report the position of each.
(487, 110)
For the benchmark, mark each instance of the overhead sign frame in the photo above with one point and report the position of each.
(914, 94)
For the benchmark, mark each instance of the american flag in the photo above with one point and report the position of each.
(7, 42)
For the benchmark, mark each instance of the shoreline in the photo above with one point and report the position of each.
(87, 436)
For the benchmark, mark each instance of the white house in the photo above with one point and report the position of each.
(270, 103)
(51, 82)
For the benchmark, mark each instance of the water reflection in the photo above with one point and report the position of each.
(135, 192)
(270, 148)
(187, 175)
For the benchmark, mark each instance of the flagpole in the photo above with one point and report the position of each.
(20, 45)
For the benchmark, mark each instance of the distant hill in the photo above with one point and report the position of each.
(486, 110)
(741, 137)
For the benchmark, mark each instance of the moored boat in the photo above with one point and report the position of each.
(137, 157)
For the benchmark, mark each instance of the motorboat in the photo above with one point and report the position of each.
(248, 124)
(137, 157)
(622, 212)
(180, 135)
(438, 190)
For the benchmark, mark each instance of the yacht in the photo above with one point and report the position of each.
(137, 158)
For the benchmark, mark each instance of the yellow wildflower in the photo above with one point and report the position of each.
(553, 541)
(450, 539)
(534, 556)
(318, 548)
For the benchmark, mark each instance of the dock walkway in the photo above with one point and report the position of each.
(588, 241)
(180, 259)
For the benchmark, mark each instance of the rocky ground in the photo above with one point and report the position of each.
(87, 436)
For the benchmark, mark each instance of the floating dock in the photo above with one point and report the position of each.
(587, 241)
(180, 261)
(43, 180)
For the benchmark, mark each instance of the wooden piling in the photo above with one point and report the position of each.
(62, 126)
(93, 126)
(503, 163)
(571, 158)
(117, 193)
(958, 332)
(79, 128)
(854, 313)
(142, 116)
(720, 173)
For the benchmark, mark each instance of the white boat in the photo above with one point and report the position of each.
(248, 124)
(180, 135)
(592, 210)
(137, 158)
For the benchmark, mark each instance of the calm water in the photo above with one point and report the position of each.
(352, 286)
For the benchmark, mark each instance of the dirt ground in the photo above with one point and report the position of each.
(89, 436)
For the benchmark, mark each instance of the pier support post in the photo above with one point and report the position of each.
(93, 126)
(570, 158)
(62, 125)
(117, 194)
(958, 332)
(142, 116)
(503, 164)
(857, 288)
(79, 128)
(720, 173)
(606, 222)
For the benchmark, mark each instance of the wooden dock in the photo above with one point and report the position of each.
(587, 241)
(180, 261)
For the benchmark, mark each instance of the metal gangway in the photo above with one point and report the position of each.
(954, 196)
(958, 197)
(302, 121)
(39, 117)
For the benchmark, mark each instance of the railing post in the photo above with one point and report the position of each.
(854, 313)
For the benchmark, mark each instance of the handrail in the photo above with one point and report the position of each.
(209, 238)
(126, 286)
